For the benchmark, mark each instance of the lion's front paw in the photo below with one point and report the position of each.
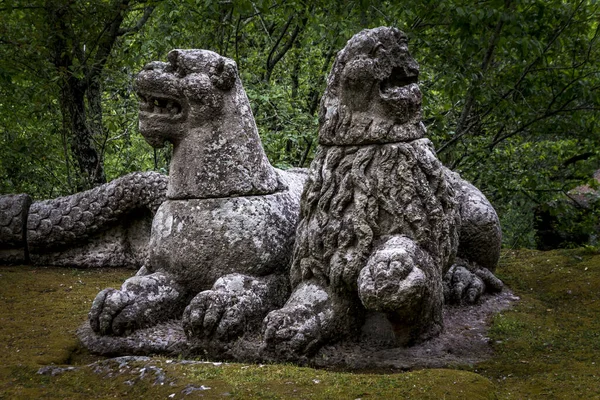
(142, 301)
(395, 278)
(301, 326)
(402, 280)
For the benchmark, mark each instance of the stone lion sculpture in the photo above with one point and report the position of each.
(221, 243)
(380, 215)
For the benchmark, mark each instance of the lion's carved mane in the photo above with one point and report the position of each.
(373, 175)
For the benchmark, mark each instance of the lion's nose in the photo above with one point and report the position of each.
(412, 68)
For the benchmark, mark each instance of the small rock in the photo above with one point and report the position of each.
(54, 370)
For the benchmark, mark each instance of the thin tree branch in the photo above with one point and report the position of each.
(262, 21)
(270, 63)
(273, 57)
(141, 22)
(114, 31)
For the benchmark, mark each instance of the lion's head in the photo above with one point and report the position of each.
(372, 94)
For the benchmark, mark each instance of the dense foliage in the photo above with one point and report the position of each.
(511, 88)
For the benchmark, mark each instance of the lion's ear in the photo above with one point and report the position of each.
(225, 74)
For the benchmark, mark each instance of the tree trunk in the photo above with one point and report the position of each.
(80, 81)
(95, 127)
(88, 160)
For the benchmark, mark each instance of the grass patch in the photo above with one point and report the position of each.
(546, 347)
(549, 344)
(41, 308)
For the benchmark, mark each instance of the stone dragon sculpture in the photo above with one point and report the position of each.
(220, 244)
(108, 226)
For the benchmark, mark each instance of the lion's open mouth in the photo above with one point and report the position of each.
(159, 105)
(397, 84)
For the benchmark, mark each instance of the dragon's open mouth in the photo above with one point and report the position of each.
(159, 105)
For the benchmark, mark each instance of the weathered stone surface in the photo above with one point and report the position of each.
(224, 235)
(142, 301)
(464, 341)
(197, 244)
(124, 245)
(108, 226)
(465, 282)
(167, 338)
(480, 237)
(403, 281)
(379, 220)
(309, 318)
(480, 240)
(13, 217)
(372, 95)
(236, 304)
(200, 240)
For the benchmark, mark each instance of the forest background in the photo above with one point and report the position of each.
(511, 89)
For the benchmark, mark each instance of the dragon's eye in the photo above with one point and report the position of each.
(181, 72)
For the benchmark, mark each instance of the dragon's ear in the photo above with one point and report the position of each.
(224, 74)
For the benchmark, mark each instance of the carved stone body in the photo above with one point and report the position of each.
(480, 239)
(108, 226)
(13, 226)
(221, 242)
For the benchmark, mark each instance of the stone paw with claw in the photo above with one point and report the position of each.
(234, 304)
(304, 323)
(464, 283)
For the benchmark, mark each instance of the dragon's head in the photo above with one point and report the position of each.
(186, 91)
(197, 102)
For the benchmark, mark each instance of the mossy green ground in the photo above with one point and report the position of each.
(548, 346)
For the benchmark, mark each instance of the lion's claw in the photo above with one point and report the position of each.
(465, 283)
